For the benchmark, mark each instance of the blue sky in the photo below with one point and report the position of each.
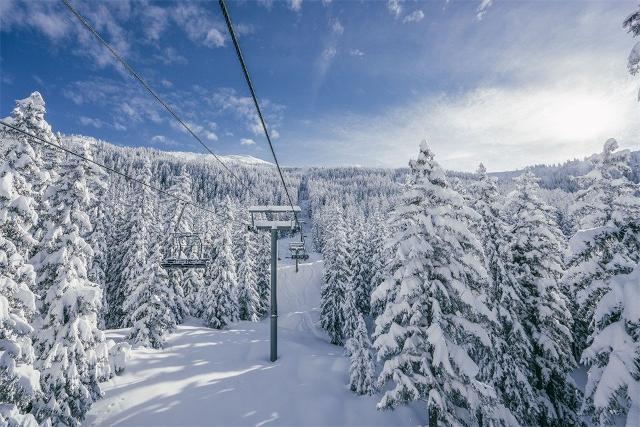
(508, 83)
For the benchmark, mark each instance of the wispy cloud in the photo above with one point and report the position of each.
(170, 55)
(356, 52)
(247, 141)
(201, 131)
(197, 24)
(394, 7)
(242, 107)
(415, 16)
(501, 126)
(330, 50)
(295, 5)
(482, 8)
(88, 121)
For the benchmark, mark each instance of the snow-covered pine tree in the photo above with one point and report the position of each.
(603, 256)
(180, 221)
(19, 380)
(632, 24)
(117, 254)
(605, 202)
(361, 367)
(510, 374)
(350, 311)
(68, 342)
(20, 181)
(360, 263)
(613, 383)
(435, 315)
(248, 295)
(537, 247)
(22, 175)
(135, 248)
(378, 237)
(263, 273)
(150, 305)
(220, 290)
(336, 277)
(192, 283)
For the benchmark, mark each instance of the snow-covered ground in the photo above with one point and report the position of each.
(224, 377)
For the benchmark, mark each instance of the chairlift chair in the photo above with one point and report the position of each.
(184, 249)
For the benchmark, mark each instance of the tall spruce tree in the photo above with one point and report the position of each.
(435, 316)
(336, 277)
(150, 305)
(603, 257)
(361, 367)
(68, 341)
(537, 248)
(605, 204)
(510, 372)
(248, 295)
(220, 291)
(135, 248)
(21, 179)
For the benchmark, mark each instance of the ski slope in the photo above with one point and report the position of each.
(224, 377)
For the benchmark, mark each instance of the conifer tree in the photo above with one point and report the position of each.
(604, 206)
(68, 341)
(632, 24)
(435, 316)
(192, 283)
(20, 180)
(19, 380)
(361, 367)
(510, 372)
(135, 246)
(537, 248)
(22, 177)
(263, 269)
(359, 264)
(350, 311)
(248, 296)
(220, 281)
(336, 277)
(150, 305)
(613, 354)
(603, 258)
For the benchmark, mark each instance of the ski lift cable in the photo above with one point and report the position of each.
(232, 33)
(135, 75)
(112, 170)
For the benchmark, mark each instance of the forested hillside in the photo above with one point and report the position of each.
(475, 297)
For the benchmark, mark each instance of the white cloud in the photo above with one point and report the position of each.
(198, 25)
(155, 20)
(394, 7)
(337, 27)
(482, 8)
(295, 5)
(170, 55)
(415, 16)
(166, 83)
(356, 52)
(247, 141)
(164, 141)
(243, 108)
(504, 127)
(88, 121)
(199, 130)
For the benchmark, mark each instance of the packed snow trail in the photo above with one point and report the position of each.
(224, 377)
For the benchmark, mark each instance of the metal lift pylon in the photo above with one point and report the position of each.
(274, 225)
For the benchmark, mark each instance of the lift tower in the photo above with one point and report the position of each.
(274, 223)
